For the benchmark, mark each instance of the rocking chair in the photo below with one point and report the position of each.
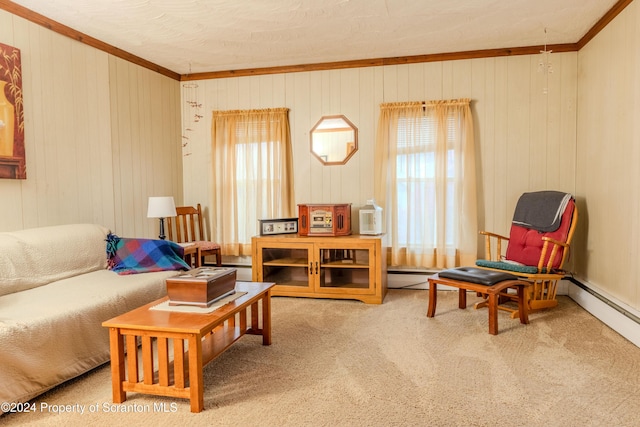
(537, 247)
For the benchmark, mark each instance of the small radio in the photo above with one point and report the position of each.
(324, 220)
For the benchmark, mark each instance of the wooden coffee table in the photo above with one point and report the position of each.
(196, 338)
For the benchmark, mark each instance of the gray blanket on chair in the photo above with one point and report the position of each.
(541, 210)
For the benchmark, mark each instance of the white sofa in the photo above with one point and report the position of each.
(55, 292)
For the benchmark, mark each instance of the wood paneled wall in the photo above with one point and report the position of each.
(608, 159)
(526, 140)
(101, 135)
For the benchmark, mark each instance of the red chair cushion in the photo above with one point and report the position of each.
(525, 245)
(207, 246)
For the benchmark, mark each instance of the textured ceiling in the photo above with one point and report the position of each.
(196, 36)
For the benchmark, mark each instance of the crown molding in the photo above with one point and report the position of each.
(57, 27)
(436, 57)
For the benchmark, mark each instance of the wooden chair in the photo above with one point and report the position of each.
(187, 227)
(535, 255)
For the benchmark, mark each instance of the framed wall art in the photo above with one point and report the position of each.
(12, 158)
(278, 226)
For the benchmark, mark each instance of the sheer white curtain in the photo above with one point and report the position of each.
(426, 181)
(252, 174)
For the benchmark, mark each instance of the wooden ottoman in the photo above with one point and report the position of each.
(487, 282)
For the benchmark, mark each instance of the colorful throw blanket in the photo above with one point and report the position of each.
(131, 256)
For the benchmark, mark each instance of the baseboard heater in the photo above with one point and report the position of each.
(604, 299)
(407, 271)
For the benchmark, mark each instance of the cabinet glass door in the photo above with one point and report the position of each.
(349, 268)
(286, 265)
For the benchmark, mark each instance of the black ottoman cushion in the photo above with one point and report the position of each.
(476, 275)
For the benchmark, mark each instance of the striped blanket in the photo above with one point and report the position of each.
(131, 256)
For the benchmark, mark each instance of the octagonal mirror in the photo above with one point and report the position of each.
(334, 139)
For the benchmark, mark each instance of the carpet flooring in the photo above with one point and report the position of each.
(345, 363)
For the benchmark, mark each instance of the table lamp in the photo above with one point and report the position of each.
(161, 207)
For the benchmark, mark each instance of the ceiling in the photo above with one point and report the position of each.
(199, 36)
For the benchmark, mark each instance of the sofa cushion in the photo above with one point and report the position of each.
(53, 333)
(34, 257)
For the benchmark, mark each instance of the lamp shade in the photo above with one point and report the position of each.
(161, 207)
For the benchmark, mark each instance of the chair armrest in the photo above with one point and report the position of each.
(555, 242)
(554, 251)
(490, 234)
(489, 256)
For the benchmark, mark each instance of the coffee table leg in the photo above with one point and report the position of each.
(117, 365)
(196, 387)
(266, 319)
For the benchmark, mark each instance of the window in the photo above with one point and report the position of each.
(252, 174)
(257, 179)
(426, 160)
(416, 167)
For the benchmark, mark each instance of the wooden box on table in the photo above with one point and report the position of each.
(202, 286)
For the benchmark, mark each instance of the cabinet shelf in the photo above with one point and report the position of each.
(291, 262)
(343, 264)
(345, 267)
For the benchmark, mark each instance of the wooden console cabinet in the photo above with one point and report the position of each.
(345, 267)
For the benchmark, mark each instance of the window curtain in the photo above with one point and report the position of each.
(252, 174)
(426, 181)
